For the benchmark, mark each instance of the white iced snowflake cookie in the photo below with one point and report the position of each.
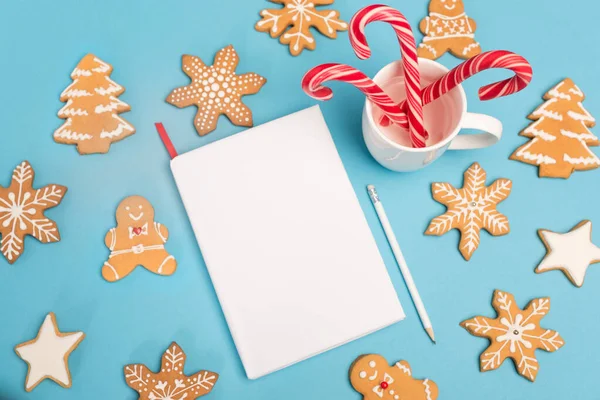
(572, 252)
(471, 209)
(48, 354)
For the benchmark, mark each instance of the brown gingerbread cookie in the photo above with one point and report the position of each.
(92, 109)
(560, 136)
(448, 28)
(514, 333)
(216, 90)
(300, 16)
(137, 240)
(170, 382)
(372, 376)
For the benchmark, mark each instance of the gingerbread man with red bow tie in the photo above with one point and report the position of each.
(137, 240)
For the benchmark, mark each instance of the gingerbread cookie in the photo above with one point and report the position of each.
(448, 28)
(137, 240)
(170, 382)
(471, 209)
(515, 334)
(300, 16)
(560, 134)
(48, 354)
(572, 252)
(372, 376)
(92, 109)
(216, 90)
(22, 212)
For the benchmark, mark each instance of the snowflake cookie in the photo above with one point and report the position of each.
(170, 383)
(515, 334)
(22, 212)
(560, 135)
(216, 90)
(570, 252)
(48, 354)
(92, 109)
(448, 28)
(471, 209)
(300, 16)
(372, 376)
(137, 240)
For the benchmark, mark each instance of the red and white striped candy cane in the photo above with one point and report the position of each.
(408, 47)
(313, 80)
(488, 60)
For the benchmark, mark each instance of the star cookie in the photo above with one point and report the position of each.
(22, 212)
(372, 376)
(471, 209)
(48, 354)
(572, 252)
(216, 90)
(515, 334)
(170, 382)
(300, 16)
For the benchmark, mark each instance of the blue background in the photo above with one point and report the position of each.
(135, 319)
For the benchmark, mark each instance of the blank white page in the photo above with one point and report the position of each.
(285, 241)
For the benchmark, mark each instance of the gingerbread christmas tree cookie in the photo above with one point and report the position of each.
(170, 383)
(92, 109)
(448, 28)
(560, 134)
(515, 334)
(300, 16)
(216, 90)
(375, 379)
(137, 240)
(22, 212)
(471, 209)
(572, 252)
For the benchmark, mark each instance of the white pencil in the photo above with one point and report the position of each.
(410, 283)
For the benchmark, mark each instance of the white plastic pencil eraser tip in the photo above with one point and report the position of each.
(373, 194)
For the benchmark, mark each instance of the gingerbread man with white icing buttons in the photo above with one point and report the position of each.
(372, 377)
(137, 240)
(448, 28)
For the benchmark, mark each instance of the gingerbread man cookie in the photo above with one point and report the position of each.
(137, 240)
(448, 28)
(372, 376)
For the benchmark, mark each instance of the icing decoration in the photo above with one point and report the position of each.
(560, 134)
(515, 334)
(300, 16)
(22, 212)
(471, 209)
(375, 379)
(48, 354)
(448, 28)
(216, 90)
(170, 383)
(137, 240)
(91, 113)
(570, 252)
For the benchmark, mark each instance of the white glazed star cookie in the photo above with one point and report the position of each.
(572, 252)
(48, 354)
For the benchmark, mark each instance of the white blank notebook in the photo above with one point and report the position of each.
(285, 241)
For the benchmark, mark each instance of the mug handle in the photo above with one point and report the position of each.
(492, 132)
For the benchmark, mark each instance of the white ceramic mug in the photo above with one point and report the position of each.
(444, 119)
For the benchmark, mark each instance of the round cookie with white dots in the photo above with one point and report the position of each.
(216, 89)
(375, 379)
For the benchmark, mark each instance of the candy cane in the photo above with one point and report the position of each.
(312, 85)
(489, 60)
(408, 47)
